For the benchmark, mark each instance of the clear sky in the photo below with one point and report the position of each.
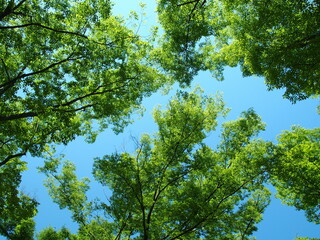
(280, 222)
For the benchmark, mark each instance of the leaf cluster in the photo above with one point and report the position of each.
(175, 186)
(277, 40)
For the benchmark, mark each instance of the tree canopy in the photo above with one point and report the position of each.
(16, 208)
(295, 170)
(71, 68)
(175, 186)
(65, 65)
(278, 40)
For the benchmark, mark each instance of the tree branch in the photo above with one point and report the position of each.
(203, 219)
(118, 237)
(301, 43)
(57, 31)
(58, 107)
(5, 86)
(49, 67)
(142, 206)
(18, 5)
(8, 158)
(18, 116)
(186, 3)
(46, 27)
(10, 9)
(214, 191)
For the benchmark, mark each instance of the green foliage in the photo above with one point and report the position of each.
(278, 40)
(51, 234)
(16, 208)
(295, 170)
(69, 192)
(66, 190)
(175, 186)
(69, 68)
(67, 65)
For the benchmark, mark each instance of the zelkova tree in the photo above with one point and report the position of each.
(277, 39)
(174, 186)
(66, 66)
(294, 170)
(16, 209)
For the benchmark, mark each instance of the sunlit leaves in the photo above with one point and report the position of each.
(295, 170)
(50, 234)
(67, 191)
(176, 186)
(16, 208)
(61, 77)
(277, 40)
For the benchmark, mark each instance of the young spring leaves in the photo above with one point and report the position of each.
(295, 170)
(278, 40)
(67, 65)
(175, 186)
(16, 208)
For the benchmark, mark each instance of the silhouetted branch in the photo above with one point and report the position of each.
(7, 159)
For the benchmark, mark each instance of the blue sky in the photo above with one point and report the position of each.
(280, 222)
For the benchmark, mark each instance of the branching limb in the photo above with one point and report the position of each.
(57, 31)
(8, 158)
(10, 8)
(186, 3)
(7, 85)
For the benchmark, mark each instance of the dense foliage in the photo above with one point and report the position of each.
(66, 64)
(71, 68)
(16, 209)
(295, 170)
(277, 39)
(175, 186)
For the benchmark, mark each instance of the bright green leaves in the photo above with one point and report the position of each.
(184, 26)
(66, 190)
(277, 40)
(63, 76)
(50, 234)
(175, 186)
(69, 69)
(16, 208)
(69, 65)
(188, 117)
(238, 133)
(295, 170)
